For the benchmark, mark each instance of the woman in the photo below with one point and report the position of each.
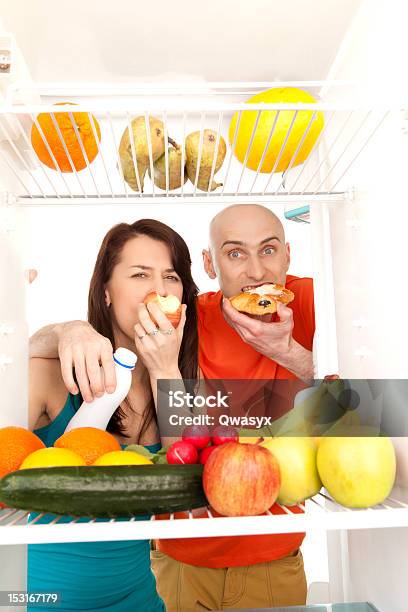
(133, 261)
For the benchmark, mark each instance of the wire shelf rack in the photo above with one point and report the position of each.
(325, 175)
(320, 512)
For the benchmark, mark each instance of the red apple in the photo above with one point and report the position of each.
(182, 452)
(205, 453)
(197, 435)
(170, 305)
(223, 434)
(241, 479)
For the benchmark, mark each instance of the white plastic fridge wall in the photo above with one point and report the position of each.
(372, 333)
(13, 374)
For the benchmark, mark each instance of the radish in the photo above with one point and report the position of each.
(223, 434)
(205, 453)
(197, 435)
(182, 452)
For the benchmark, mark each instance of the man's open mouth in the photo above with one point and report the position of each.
(250, 287)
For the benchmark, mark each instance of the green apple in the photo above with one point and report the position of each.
(297, 461)
(358, 472)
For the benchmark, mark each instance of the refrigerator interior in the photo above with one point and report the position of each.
(353, 243)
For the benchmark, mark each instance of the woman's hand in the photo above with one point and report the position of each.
(158, 346)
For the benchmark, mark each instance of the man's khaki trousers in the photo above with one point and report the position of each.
(187, 588)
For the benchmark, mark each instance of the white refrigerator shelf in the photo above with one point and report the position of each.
(320, 512)
(325, 175)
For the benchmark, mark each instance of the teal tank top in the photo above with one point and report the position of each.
(92, 576)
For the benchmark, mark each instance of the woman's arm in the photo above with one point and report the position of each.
(46, 391)
(36, 393)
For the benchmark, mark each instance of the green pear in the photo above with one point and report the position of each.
(297, 462)
(174, 158)
(315, 410)
(207, 157)
(141, 147)
(358, 472)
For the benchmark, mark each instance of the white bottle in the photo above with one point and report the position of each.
(98, 412)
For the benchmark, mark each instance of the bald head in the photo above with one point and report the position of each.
(246, 247)
(240, 216)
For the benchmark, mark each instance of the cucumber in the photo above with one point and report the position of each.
(105, 491)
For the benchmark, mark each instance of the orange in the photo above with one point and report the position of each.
(301, 135)
(51, 457)
(122, 458)
(15, 444)
(89, 442)
(50, 133)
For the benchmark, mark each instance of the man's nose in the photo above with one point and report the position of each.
(255, 269)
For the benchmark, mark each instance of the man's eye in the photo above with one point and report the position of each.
(234, 254)
(269, 250)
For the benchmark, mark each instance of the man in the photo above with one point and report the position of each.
(247, 249)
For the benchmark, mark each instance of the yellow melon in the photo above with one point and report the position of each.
(300, 129)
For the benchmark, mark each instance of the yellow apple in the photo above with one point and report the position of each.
(297, 461)
(249, 440)
(358, 472)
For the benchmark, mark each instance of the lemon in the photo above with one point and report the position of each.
(51, 457)
(122, 458)
(284, 95)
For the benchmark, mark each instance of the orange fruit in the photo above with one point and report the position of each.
(303, 134)
(51, 457)
(122, 458)
(15, 444)
(88, 442)
(66, 127)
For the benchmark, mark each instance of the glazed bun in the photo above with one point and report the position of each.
(261, 300)
(170, 305)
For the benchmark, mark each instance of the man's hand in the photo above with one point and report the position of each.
(79, 347)
(272, 339)
(83, 349)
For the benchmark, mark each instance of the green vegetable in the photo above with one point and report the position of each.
(140, 450)
(160, 456)
(105, 491)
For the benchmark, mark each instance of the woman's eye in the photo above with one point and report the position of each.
(139, 275)
(173, 278)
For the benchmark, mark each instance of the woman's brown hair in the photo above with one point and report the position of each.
(99, 315)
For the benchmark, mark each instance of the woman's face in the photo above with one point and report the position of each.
(145, 265)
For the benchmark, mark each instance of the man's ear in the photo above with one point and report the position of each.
(287, 247)
(208, 264)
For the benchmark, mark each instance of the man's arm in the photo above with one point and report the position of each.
(297, 360)
(44, 343)
(81, 349)
(274, 340)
